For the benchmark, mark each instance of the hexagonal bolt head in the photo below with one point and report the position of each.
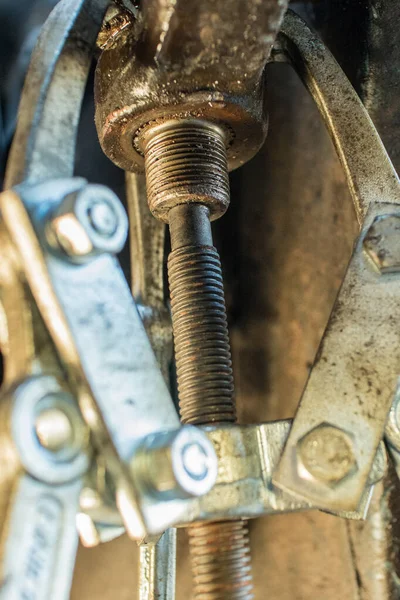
(88, 222)
(326, 454)
(176, 464)
(382, 243)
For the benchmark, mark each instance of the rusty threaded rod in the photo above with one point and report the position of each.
(220, 551)
(187, 182)
(202, 352)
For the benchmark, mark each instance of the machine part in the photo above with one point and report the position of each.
(147, 244)
(41, 533)
(115, 23)
(53, 92)
(247, 457)
(369, 343)
(88, 222)
(98, 519)
(186, 195)
(40, 491)
(185, 162)
(202, 353)
(118, 384)
(146, 78)
(326, 454)
(31, 401)
(45, 139)
(285, 243)
(213, 575)
(157, 568)
(177, 464)
(187, 182)
(54, 429)
(369, 171)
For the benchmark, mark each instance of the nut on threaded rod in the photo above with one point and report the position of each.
(185, 162)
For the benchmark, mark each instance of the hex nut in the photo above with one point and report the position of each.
(41, 456)
(176, 464)
(382, 243)
(326, 454)
(88, 222)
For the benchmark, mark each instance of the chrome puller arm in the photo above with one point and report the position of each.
(44, 450)
(344, 408)
(65, 234)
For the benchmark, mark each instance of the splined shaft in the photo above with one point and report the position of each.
(192, 165)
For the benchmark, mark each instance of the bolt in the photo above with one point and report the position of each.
(187, 186)
(326, 453)
(177, 464)
(103, 218)
(382, 243)
(117, 20)
(54, 429)
(88, 222)
(196, 461)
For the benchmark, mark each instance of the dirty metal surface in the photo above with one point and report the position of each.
(247, 458)
(371, 180)
(146, 77)
(53, 93)
(301, 215)
(370, 174)
(357, 366)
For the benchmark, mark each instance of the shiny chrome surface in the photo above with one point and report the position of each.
(40, 492)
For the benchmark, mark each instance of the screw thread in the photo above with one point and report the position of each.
(221, 561)
(203, 358)
(220, 551)
(186, 171)
(185, 161)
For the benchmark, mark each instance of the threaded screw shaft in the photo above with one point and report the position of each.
(185, 161)
(221, 561)
(187, 178)
(202, 353)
